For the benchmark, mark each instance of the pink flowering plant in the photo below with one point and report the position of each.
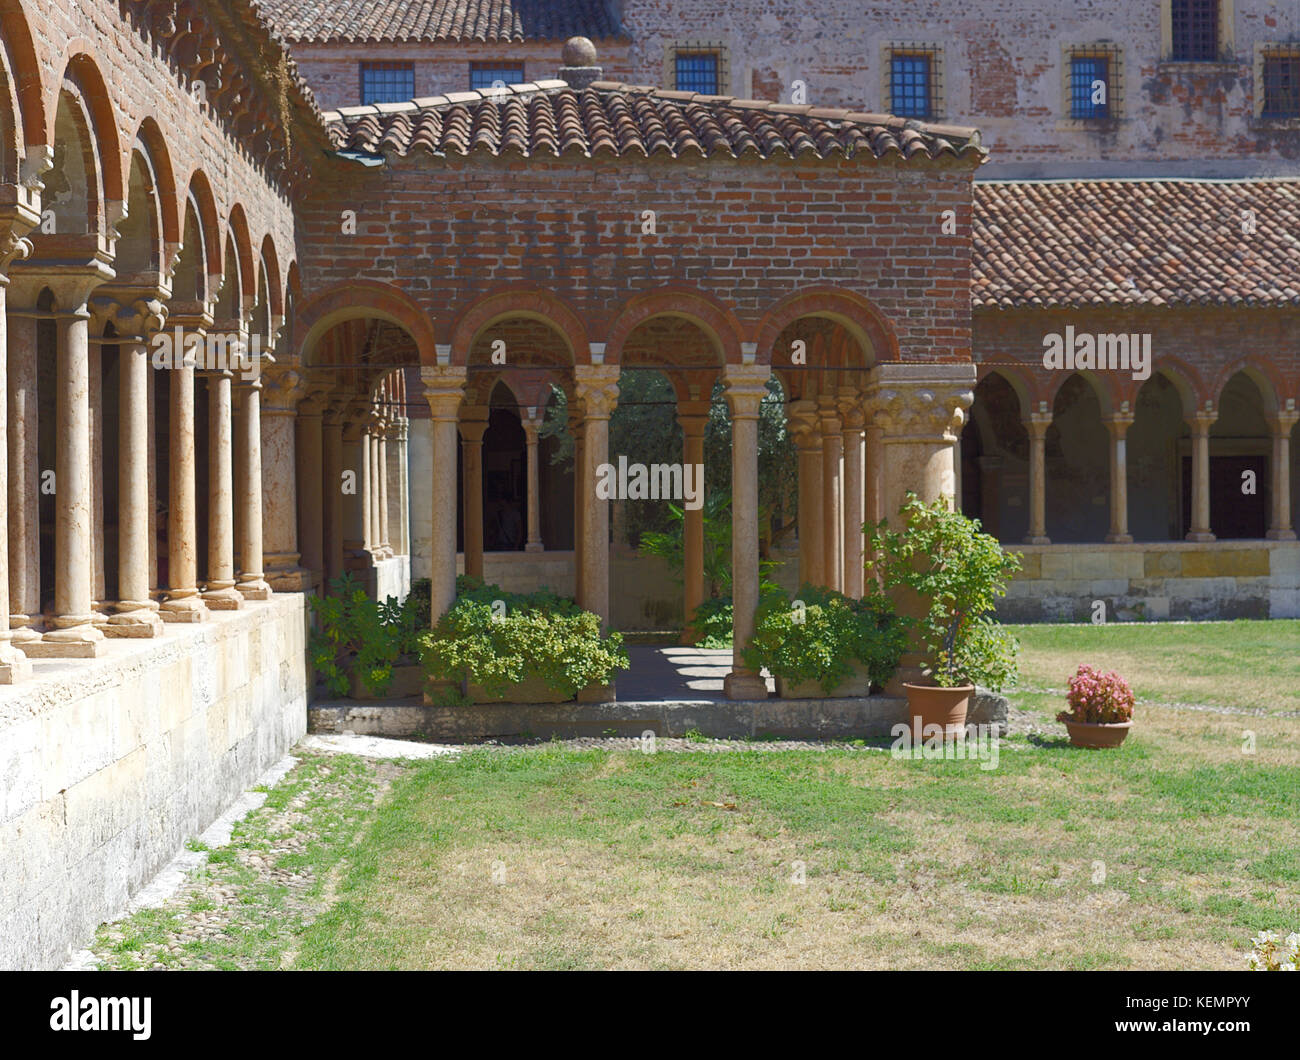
(1098, 698)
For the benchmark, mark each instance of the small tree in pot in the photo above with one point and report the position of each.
(958, 573)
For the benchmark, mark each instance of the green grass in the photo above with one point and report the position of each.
(1168, 853)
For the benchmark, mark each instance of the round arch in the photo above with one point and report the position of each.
(858, 315)
(356, 299)
(541, 306)
(716, 320)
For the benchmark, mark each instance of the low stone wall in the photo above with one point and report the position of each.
(108, 766)
(869, 717)
(1161, 580)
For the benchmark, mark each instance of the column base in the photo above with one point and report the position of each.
(1119, 539)
(14, 664)
(1200, 535)
(1281, 535)
(76, 638)
(223, 598)
(134, 619)
(534, 546)
(1033, 539)
(254, 589)
(741, 684)
(189, 608)
(21, 631)
(290, 581)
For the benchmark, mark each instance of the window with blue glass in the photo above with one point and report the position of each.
(485, 75)
(1089, 87)
(911, 86)
(698, 71)
(387, 82)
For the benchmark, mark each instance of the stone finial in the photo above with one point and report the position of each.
(579, 59)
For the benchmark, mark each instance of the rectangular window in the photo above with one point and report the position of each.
(485, 75)
(1089, 87)
(1194, 30)
(387, 82)
(911, 85)
(698, 71)
(1281, 77)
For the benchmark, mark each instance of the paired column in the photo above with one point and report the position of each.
(746, 387)
(694, 418)
(444, 389)
(832, 498)
(14, 665)
(381, 484)
(597, 390)
(1037, 425)
(1280, 426)
(532, 423)
(473, 425)
(73, 634)
(136, 613)
(853, 435)
(1200, 424)
(220, 593)
(24, 528)
(400, 430)
(806, 428)
(283, 387)
(1117, 426)
(252, 584)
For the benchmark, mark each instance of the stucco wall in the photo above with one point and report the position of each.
(108, 766)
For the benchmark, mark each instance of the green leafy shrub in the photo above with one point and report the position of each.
(821, 639)
(959, 573)
(357, 634)
(541, 634)
(711, 623)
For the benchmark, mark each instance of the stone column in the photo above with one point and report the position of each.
(531, 424)
(252, 584)
(283, 387)
(920, 410)
(832, 498)
(1118, 425)
(577, 428)
(376, 476)
(444, 388)
(746, 388)
(1200, 423)
(381, 462)
(136, 612)
(1037, 425)
(368, 537)
(473, 425)
(332, 489)
(220, 593)
(96, 391)
(597, 388)
(852, 433)
(355, 448)
(73, 635)
(14, 665)
(805, 426)
(1280, 426)
(401, 430)
(24, 528)
(694, 418)
(308, 461)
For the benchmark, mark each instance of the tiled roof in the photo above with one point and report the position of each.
(550, 118)
(1136, 242)
(321, 21)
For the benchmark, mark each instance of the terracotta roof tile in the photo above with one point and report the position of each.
(607, 117)
(1136, 242)
(322, 21)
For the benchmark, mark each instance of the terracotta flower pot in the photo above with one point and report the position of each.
(1096, 734)
(937, 705)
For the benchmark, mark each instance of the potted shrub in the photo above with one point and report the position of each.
(364, 648)
(824, 643)
(542, 648)
(1101, 709)
(957, 574)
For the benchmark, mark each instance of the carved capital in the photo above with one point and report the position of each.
(746, 388)
(930, 412)
(597, 389)
(444, 389)
(805, 423)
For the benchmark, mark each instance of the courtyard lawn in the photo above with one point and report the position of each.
(1169, 853)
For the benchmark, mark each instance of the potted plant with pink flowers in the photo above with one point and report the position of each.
(1101, 709)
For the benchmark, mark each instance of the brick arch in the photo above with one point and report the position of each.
(1019, 380)
(82, 71)
(205, 207)
(710, 315)
(358, 299)
(530, 304)
(26, 127)
(1264, 375)
(1186, 380)
(1107, 391)
(270, 262)
(237, 228)
(152, 145)
(847, 308)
